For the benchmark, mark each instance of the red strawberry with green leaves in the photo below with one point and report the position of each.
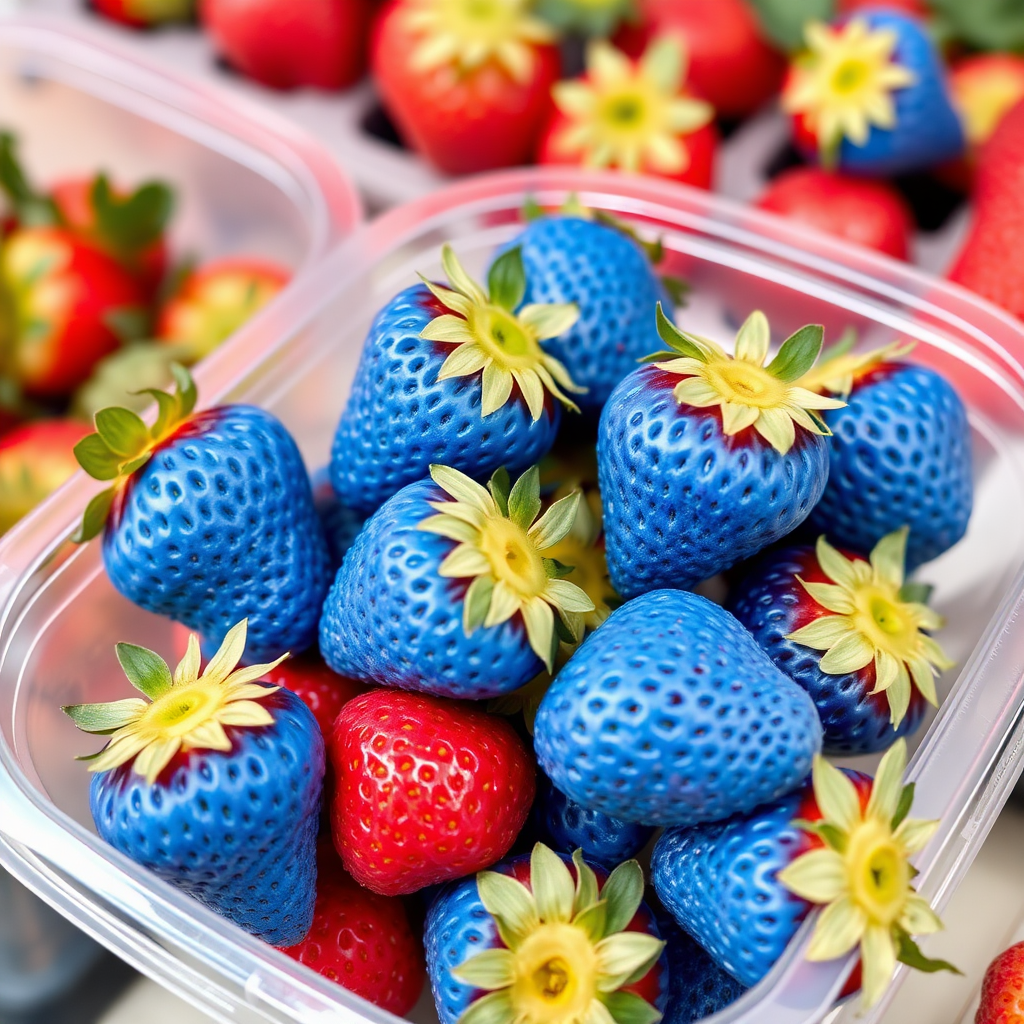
(69, 304)
(1002, 989)
(635, 116)
(214, 300)
(852, 633)
(732, 63)
(842, 844)
(986, 263)
(361, 940)
(284, 44)
(35, 459)
(542, 939)
(865, 212)
(213, 783)
(428, 789)
(209, 518)
(144, 13)
(466, 84)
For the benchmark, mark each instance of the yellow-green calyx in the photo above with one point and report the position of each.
(748, 393)
(861, 875)
(186, 711)
(631, 115)
(874, 618)
(467, 34)
(568, 957)
(504, 549)
(493, 335)
(123, 444)
(839, 367)
(843, 83)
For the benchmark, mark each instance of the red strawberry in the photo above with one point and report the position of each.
(988, 263)
(142, 13)
(428, 789)
(129, 226)
(634, 116)
(1002, 990)
(361, 940)
(324, 692)
(66, 297)
(870, 213)
(466, 83)
(35, 459)
(214, 301)
(289, 43)
(731, 64)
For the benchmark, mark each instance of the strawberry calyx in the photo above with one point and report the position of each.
(871, 616)
(861, 874)
(746, 392)
(496, 338)
(128, 224)
(842, 84)
(839, 368)
(30, 208)
(123, 444)
(503, 549)
(568, 957)
(186, 711)
(631, 115)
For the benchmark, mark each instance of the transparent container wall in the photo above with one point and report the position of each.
(64, 617)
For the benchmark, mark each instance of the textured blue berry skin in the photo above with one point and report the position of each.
(399, 418)
(698, 987)
(602, 270)
(390, 618)
(566, 826)
(458, 926)
(927, 130)
(771, 603)
(719, 882)
(681, 500)
(341, 524)
(235, 829)
(900, 455)
(670, 714)
(219, 525)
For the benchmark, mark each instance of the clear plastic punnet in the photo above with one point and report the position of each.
(246, 184)
(60, 616)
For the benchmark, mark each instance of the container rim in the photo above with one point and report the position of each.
(68, 865)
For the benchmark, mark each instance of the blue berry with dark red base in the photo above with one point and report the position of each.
(453, 375)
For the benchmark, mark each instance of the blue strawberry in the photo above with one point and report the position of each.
(524, 942)
(567, 826)
(609, 276)
(451, 375)
(698, 987)
(843, 842)
(214, 785)
(340, 523)
(670, 714)
(448, 588)
(870, 94)
(875, 678)
(705, 459)
(209, 520)
(899, 455)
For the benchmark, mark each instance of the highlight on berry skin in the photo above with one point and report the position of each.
(859, 873)
(502, 547)
(568, 957)
(186, 711)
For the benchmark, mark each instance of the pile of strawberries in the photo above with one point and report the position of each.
(508, 682)
(93, 309)
(893, 105)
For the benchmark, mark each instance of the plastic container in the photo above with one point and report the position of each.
(61, 617)
(245, 185)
